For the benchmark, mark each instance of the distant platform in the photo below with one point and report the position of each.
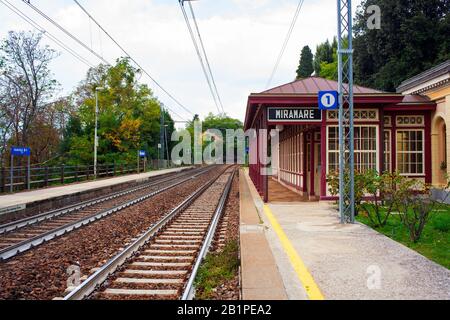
(22, 200)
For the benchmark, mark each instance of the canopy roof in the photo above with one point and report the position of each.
(313, 85)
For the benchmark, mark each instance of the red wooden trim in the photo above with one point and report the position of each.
(363, 123)
(265, 178)
(311, 165)
(312, 100)
(428, 164)
(381, 140)
(410, 108)
(305, 169)
(393, 143)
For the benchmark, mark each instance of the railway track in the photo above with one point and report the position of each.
(162, 263)
(19, 236)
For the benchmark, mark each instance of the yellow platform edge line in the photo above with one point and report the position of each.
(306, 279)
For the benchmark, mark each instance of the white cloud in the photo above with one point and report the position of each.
(242, 38)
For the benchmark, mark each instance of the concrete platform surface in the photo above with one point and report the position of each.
(260, 277)
(23, 198)
(356, 262)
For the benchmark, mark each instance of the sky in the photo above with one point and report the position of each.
(242, 39)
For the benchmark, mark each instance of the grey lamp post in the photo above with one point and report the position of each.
(167, 145)
(95, 130)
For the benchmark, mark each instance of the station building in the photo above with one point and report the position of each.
(393, 131)
(435, 85)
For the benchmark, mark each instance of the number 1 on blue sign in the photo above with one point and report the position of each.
(328, 100)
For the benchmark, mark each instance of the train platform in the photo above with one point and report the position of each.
(260, 278)
(318, 258)
(20, 201)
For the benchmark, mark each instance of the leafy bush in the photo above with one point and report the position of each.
(333, 182)
(378, 195)
(382, 191)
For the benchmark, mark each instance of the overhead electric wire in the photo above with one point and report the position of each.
(66, 31)
(285, 43)
(35, 25)
(137, 64)
(194, 41)
(206, 57)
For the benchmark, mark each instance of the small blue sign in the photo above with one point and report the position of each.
(247, 149)
(328, 100)
(142, 153)
(20, 151)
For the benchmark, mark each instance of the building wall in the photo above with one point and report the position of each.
(440, 135)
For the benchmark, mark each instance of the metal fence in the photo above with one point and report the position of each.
(43, 176)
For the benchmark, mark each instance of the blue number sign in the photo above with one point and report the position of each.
(142, 153)
(328, 100)
(20, 151)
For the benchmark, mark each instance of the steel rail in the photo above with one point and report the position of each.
(188, 293)
(92, 282)
(25, 222)
(28, 244)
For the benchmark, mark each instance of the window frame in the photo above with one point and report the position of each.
(387, 155)
(376, 150)
(397, 152)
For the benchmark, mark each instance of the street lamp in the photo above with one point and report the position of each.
(167, 145)
(95, 130)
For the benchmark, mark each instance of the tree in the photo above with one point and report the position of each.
(219, 122)
(26, 82)
(305, 67)
(324, 54)
(168, 130)
(413, 37)
(128, 119)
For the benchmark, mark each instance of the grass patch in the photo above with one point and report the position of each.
(435, 240)
(216, 269)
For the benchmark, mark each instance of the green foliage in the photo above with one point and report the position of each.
(333, 183)
(415, 207)
(441, 222)
(377, 196)
(129, 117)
(433, 244)
(413, 37)
(325, 60)
(383, 190)
(219, 122)
(305, 67)
(216, 269)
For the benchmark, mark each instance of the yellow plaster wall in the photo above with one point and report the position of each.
(442, 99)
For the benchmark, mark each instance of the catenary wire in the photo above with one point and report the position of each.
(285, 43)
(191, 32)
(42, 30)
(132, 59)
(206, 56)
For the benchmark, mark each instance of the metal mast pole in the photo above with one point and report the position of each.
(346, 132)
(95, 133)
(161, 135)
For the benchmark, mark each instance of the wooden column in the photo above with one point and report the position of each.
(311, 165)
(265, 149)
(305, 167)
